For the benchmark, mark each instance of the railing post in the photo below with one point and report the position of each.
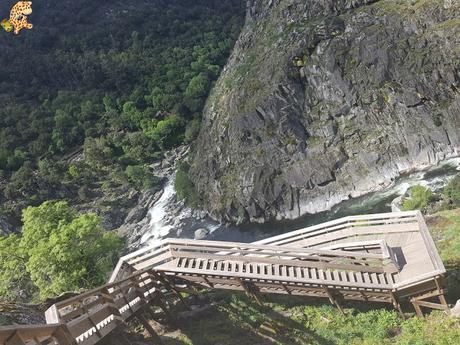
(333, 300)
(52, 315)
(250, 291)
(108, 299)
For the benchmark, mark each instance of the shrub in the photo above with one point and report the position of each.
(192, 130)
(184, 186)
(451, 191)
(168, 133)
(419, 200)
(140, 176)
(13, 274)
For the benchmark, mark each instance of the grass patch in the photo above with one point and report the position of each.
(445, 228)
(288, 320)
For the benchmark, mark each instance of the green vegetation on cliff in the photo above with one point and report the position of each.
(419, 200)
(184, 186)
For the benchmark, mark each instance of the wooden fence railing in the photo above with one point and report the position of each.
(96, 313)
(170, 249)
(351, 226)
(89, 317)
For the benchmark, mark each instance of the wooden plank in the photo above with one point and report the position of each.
(15, 339)
(63, 336)
(240, 249)
(431, 247)
(351, 232)
(319, 229)
(345, 220)
(432, 305)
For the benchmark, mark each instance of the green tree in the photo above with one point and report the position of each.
(13, 274)
(132, 115)
(65, 251)
(140, 176)
(15, 161)
(192, 130)
(3, 159)
(99, 152)
(198, 86)
(168, 132)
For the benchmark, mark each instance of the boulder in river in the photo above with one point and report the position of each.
(201, 234)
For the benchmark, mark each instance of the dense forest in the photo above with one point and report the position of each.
(121, 80)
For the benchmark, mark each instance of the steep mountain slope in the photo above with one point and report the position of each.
(374, 91)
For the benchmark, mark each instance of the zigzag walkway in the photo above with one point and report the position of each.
(388, 258)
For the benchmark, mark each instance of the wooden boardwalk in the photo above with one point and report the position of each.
(388, 258)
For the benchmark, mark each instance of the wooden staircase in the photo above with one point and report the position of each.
(387, 258)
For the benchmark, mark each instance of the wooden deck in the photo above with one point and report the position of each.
(387, 258)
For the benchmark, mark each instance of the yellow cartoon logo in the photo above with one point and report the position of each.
(18, 17)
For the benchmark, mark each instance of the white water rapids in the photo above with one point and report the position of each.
(157, 214)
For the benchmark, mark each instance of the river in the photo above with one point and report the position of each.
(434, 178)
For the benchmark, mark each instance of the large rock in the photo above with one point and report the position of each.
(375, 93)
(21, 314)
(455, 311)
(5, 227)
(200, 234)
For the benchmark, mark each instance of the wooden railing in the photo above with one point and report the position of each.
(94, 314)
(170, 249)
(351, 226)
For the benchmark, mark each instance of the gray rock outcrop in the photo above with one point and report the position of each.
(455, 311)
(5, 227)
(322, 101)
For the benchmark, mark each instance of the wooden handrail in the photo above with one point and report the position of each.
(374, 220)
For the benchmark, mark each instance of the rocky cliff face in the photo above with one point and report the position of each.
(374, 91)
